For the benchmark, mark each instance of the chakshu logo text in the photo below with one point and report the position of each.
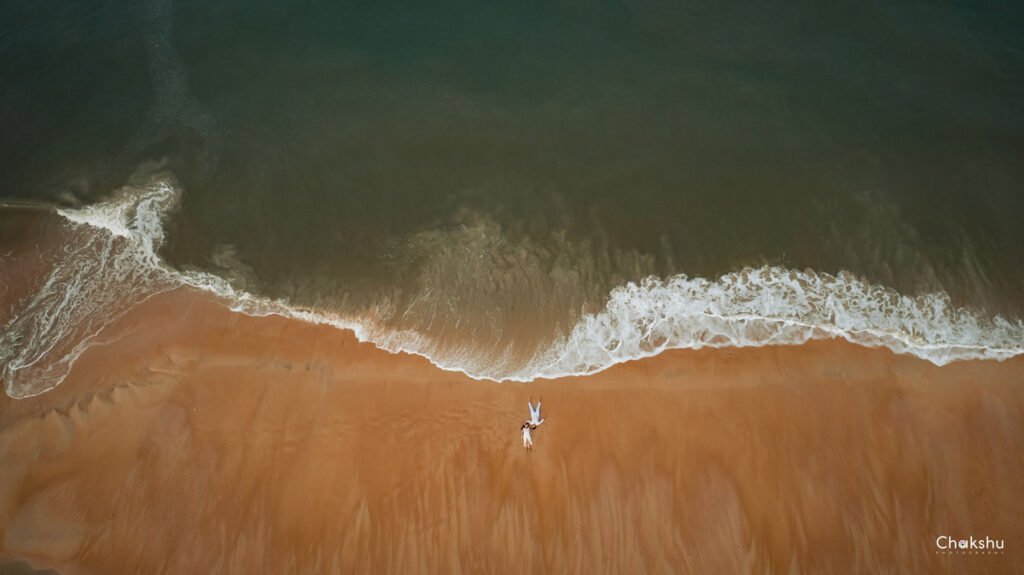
(948, 543)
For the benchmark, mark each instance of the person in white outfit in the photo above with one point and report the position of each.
(530, 425)
(535, 419)
(527, 439)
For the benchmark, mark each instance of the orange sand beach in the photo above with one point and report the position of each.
(198, 440)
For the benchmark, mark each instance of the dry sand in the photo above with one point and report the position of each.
(198, 440)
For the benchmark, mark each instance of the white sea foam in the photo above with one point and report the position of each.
(110, 263)
(94, 278)
(775, 306)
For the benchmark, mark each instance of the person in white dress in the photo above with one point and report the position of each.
(527, 439)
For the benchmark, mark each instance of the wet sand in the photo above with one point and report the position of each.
(197, 440)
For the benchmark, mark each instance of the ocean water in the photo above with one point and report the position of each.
(523, 189)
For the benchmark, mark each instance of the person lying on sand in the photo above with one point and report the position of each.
(535, 419)
(527, 439)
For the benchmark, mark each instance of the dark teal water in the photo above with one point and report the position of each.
(495, 168)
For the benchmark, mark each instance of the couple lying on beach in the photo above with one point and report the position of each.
(530, 425)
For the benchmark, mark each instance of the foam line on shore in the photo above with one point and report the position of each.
(110, 262)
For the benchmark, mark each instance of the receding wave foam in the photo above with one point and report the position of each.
(109, 262)
(94, 278)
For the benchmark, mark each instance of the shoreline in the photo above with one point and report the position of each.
(265, 443)
(53, 269)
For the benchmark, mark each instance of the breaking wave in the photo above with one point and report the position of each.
(109, 262)
(776, 306)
